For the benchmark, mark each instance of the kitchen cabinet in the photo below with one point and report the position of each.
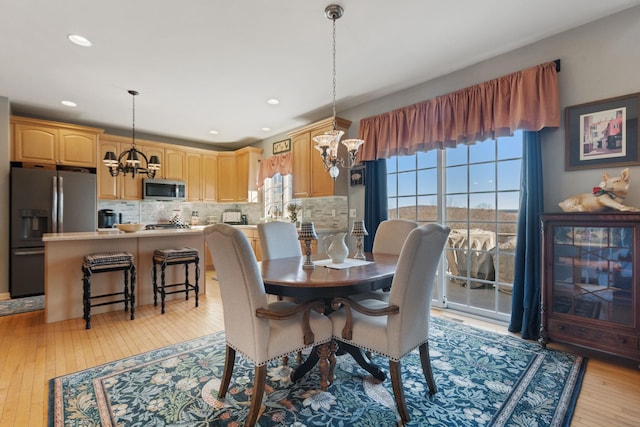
(121, 187)
(210, 177)
(237, 175)
(590, 292)
(247, 165)
(175, 166)
(227, 177)
(194, 177)
(46, 142)
(310, 179)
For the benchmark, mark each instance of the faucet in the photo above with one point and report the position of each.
(274, 211)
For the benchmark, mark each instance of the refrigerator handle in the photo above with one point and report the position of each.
(54, 205)
(60, 204)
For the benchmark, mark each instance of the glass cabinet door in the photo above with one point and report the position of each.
(593, 273)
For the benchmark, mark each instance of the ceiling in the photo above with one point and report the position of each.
(213, 64)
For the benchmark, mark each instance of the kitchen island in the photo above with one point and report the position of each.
(63, 267)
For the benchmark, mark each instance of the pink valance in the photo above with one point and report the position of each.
(279, 163)
(525, 100)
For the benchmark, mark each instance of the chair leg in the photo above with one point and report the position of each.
(426, 368)
(259, 381)
(229, 361)
(323, 365)
(398, 392)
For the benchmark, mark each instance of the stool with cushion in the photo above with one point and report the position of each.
(102, 263)
(175, 256)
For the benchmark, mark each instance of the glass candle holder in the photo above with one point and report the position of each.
(359, 231)
(307, 233)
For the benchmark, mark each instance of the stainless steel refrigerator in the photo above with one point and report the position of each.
(45, 201)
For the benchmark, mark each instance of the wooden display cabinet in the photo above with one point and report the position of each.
(590, 281)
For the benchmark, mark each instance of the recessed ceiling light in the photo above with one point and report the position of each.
(273, 101)
(214, 132)
(265, 129)
(69, 103)
(79, 40)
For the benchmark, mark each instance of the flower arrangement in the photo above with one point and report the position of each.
(293, 209)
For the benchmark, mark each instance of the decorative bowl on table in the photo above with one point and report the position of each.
(130, 228)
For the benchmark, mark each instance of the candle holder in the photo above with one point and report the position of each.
(307, 233)
(358, 231)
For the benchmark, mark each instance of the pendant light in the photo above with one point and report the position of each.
(327, 143)
(131, 156)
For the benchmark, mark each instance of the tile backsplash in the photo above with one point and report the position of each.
(319, 210)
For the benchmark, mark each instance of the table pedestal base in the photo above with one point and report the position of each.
(325, 352)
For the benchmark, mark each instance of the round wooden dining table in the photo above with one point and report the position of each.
(286, 277)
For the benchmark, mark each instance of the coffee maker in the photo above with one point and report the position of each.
(106, 218)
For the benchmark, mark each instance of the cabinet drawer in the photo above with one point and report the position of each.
(607, 340)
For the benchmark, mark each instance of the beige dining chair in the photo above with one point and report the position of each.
(391, 234)
(389, 238)
(395, 329)
(259, 331)
(279, 240)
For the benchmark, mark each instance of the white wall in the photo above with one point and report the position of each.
(4, 197)
(599, 60)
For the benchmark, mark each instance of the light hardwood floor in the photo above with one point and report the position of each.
(32, 352)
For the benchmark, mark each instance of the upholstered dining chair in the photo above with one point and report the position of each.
(279, 240)
(395, 329)
(259, 331)
(390, 236)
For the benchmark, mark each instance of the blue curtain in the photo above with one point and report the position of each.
(375, 198)
(525, 308)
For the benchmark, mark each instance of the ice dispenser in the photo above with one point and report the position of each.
(35, 222)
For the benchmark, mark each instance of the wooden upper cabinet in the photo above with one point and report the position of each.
(227, 177)
(301, 148)
(210, 177)
(124, 187)
(150, 149)
(175, 166)
(310, 179)
(247, 166)
(77, 147)
(194, 177)
(41, 141)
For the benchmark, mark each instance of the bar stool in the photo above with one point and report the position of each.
(166, 257)
(105, 262)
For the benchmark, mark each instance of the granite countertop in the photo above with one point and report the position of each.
(117, 234)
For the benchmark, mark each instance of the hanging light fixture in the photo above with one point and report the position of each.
(131, 156)
(327, 143)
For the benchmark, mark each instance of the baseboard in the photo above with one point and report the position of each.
(5, 296)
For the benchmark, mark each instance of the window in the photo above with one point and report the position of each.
(475, 190)
(277, 195)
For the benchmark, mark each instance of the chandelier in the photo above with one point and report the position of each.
(131, 156)
(327, 143)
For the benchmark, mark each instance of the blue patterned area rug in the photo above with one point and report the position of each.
(21, 305)
(483, 379)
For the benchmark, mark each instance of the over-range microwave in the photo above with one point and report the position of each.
(163, 189)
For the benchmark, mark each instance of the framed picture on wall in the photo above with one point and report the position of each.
(282, 146)
(602, 133)
(357, 175)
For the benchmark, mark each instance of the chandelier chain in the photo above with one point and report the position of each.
(334, 73)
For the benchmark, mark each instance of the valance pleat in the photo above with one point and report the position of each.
(279, 163)
(525, 100)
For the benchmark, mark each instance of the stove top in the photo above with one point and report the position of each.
(165, 225)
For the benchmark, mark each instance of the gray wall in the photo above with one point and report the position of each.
(599, 60)
(4, 197)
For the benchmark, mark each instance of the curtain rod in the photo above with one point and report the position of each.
(557, 62)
